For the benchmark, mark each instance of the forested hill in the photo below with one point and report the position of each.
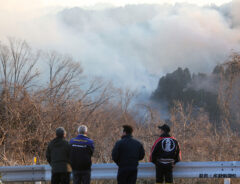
(212, 93)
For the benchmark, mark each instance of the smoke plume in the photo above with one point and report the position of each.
(132, 45)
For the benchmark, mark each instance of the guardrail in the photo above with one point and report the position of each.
(145, 170)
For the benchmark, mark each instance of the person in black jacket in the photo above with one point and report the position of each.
(82, 149)
(57, 154)
(165, 154)
(126, 154)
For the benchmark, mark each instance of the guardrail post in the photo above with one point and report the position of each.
(227, 181)
(35, 163)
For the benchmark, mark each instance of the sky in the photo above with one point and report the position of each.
(125, 2)
(50, 5)
(131, 45)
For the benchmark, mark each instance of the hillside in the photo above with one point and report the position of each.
(215, 93)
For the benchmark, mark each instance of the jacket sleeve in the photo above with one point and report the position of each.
(48, 154)
(141, 152)
(115, 153)
(153, 157)
(68, 151)
(178, 155)
(91, 147)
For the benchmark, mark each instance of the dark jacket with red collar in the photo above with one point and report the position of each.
(166, 150)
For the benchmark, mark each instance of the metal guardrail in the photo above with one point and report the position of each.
(145, 170)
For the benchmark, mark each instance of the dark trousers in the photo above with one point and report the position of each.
(81, 177)
(164, 172)
(60, 178)
(127, 176)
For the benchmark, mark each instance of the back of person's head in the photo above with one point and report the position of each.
(60, 132)
(165, 128)
(127, 129)
(82, 129)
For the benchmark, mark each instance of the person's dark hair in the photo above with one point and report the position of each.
(165, 128)
(60, 131)
(128, 129)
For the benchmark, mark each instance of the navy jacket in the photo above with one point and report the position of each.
(82, 149)
(127, 152)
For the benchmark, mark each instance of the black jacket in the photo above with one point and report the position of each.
(127, 152)
(166, 149)
(57, 154)
(82, 149)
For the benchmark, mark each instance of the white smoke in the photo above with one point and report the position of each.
(132, 45)
(236, 12)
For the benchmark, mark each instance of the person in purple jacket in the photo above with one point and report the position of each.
(82, 149)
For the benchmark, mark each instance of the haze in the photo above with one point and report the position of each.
(132, 43)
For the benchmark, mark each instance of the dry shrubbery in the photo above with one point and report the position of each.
(31, 110)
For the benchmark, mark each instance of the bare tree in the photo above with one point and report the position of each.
(17, 65)
(64, 76)
(228, 97)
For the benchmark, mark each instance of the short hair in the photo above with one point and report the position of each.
(82, 129)
(60, 131)
(128, 129)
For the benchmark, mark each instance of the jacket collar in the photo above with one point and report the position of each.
(165, 135)
(126, 136)
(59, 138)
(82, 136)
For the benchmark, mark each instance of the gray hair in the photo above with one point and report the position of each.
(60, 132)
(82, 129)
